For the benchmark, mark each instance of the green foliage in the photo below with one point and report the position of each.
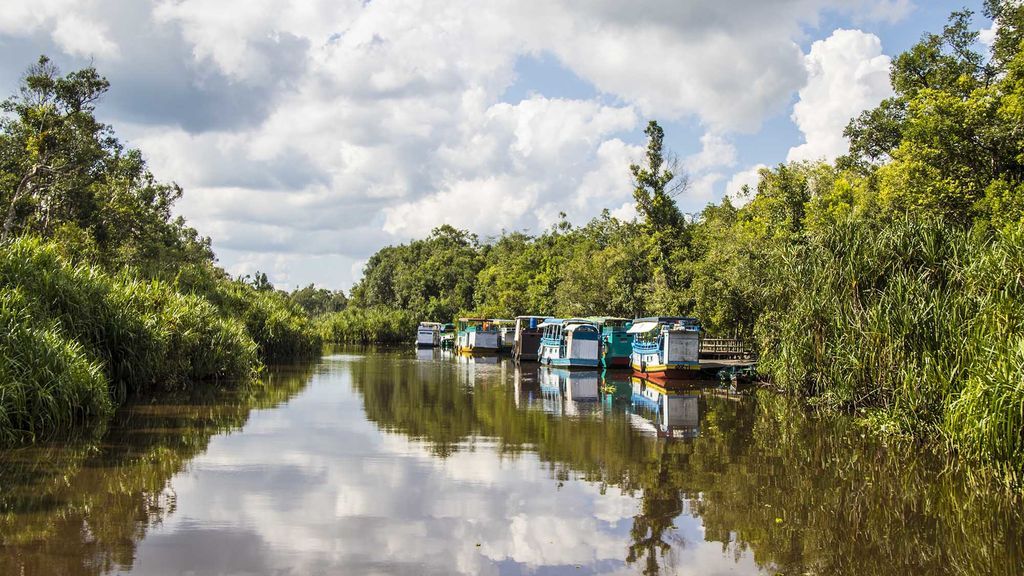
(663, 225)
(316, 301)
(433, 278)
(917, 321)
(280, 328)
(47, 381)
(369, 326)
(64, 175)
(144, 333)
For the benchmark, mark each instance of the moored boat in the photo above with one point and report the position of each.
(665, 347)
(572, 343)
(428, 335)
(447, 337)
(526, 338)
(476, 336)
(506, 334)
(616, 342)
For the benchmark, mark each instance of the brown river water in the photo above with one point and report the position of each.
(406, 462)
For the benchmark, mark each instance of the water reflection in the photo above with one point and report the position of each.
(664, 413)
(405, 462)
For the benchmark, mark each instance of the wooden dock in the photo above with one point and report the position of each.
(725, 348)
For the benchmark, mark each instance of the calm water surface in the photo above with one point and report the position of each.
(414, 463)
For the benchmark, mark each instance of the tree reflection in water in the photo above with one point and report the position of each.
(804, 493)
(798, 493)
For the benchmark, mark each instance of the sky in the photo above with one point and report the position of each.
(308, 134)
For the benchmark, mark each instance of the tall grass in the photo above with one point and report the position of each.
(47, 381)
(918, 322)
(145, 334)
(369, 326)
(280, 328)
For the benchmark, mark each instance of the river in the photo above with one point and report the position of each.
(406, 462)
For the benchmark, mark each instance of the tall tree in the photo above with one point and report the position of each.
(655, 185)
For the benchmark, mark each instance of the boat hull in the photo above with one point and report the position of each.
(476, 351)
(615, 361)
(570, 362)
(667, 371)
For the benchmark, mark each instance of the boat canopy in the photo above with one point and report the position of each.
(643, 327)
(609, 320)
(550, 322)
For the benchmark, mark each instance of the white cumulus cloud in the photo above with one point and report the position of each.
(847, 73)
(309, 133)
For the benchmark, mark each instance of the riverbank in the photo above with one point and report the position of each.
(76, 340)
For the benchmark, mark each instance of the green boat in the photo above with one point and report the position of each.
(616, 344)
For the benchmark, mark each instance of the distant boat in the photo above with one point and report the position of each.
(616, 342)
(665, 347)
(526, 337)
(428, 335)
(570, 343)
(476, 336)
(447, 336)
(506, 334)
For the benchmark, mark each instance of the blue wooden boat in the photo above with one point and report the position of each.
(572, 343)
(616, 342)
(665, 347)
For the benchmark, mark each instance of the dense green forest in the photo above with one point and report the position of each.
(890, 282)
(103, 293)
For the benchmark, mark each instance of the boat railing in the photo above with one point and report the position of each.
(724, 348)
(646, 347)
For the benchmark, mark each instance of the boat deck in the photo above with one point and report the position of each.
(718, 364)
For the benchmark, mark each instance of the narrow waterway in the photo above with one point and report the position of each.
(405, 462)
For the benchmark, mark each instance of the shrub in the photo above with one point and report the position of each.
(47, 381)
(369, 326)
(144, 333)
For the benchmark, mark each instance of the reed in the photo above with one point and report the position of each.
(47, 381)
(143, 333)
(280, 328)
(369, 326)
(916, 323)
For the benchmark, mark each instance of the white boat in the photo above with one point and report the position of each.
(572, 343)
(665, 347)
(428, 335)
(476, 336)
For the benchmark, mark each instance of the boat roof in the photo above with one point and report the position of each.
(532, 317)
(475, 320)
(644, 325)
(607, 319)
(669, 319)
(431, 324)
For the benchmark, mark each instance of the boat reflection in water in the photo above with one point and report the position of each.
(569, 392)
(663, 412)
(428, 354)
